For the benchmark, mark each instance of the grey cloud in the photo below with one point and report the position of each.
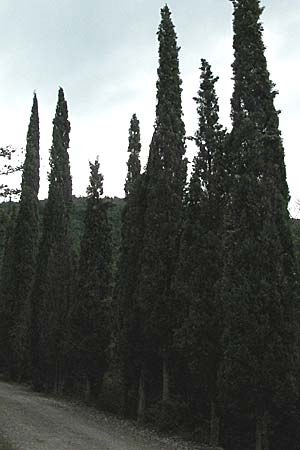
(104, 53)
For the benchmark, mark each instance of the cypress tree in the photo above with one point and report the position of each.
(259, 287)
(24, 247)
(6, 296)
(90, 319)
(199, 263)
(26, 241)
(52, 292)
(134, 149)
(165, 178)
(128, 326)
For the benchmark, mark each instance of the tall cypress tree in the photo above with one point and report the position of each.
(199, 264)
(52, 292)
(90, 320)
(165, 177)
(26, 241)
(128, 326)
(6, 295)
(134, 149)
(24, 247)
(259, 280)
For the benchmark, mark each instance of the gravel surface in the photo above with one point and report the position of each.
(32, 421)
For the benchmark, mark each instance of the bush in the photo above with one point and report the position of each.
(170, 415)
(110, 398)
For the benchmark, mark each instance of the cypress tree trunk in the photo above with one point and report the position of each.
(141, 395)
(214, 425)
(262, 432)
(266, 432)
(95, 382)
(258, 434)
(166, 379)
(57, 387)
(87, 392)
(59, 377)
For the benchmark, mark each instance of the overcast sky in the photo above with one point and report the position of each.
(105, 56)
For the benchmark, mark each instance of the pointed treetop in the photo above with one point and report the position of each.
(61, 95)
(61, 130)
(209, 137)
(207, 108)
(62, 114)
(169, 105)
(134, 148)
(165, 11)
(251, 77)
(95, 189)
(59, 156)
(207, 100)
(134, 145)
(34, 111)
(31, 166)
(35, 102)
(255, 120)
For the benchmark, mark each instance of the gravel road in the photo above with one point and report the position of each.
(32, 421)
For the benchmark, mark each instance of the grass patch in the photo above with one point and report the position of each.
(4, 444)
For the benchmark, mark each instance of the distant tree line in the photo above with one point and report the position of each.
(193, 322)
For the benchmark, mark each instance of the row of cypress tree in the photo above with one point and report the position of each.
(53, 306)
(207, 293)
(204, 318)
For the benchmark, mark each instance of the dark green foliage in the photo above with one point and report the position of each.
(6, 294)
(114, 215)
(128, 326)
(200, 258)
(24, 248)
(134, 148)
(26, 236)
(90, 317)
(295, 228)
(165, 180)
(5, 211)
(169, 416)
(52, 291)
(204, 321)
(259, 288)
